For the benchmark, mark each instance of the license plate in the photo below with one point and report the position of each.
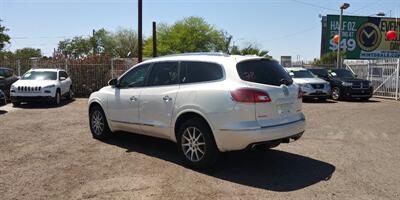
(284, 109)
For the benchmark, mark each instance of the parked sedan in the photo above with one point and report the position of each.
(345, 84)
(312, 86)
(7, 78)
(2, 98)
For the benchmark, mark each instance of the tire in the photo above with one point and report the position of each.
(16, 103)
(57, 98)
(336, 93)
(196, 144)
(98, 123)
(70, 94)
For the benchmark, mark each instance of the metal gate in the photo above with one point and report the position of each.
(383, 74)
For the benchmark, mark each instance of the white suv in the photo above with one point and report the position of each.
(206, 103)
(40, 85)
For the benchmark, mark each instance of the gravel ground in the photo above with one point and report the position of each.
(350, 151)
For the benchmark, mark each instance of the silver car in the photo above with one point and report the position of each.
(311, 85)
(206, 103)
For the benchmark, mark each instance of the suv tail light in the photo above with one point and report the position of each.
(300, 95)
(250, 96)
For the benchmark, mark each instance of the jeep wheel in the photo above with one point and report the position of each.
(57, 98)
(197, 145)
(70, 94)
(98, 123)
(336, 93)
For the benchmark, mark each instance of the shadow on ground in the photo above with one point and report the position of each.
(328, 101)
(43, 105)
(270, 169)
(3, 112)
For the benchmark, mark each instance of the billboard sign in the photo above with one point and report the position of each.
(362, 37)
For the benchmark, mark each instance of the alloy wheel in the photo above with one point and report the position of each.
(193, 144)
(97, 122)
(335, 93)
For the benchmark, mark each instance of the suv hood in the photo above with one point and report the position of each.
(39, 83)
(309, 80)
(351, 80)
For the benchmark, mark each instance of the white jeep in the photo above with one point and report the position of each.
(40, 85)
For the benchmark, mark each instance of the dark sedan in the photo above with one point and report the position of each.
(7, 78)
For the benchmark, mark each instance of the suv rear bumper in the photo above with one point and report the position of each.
(230, 140)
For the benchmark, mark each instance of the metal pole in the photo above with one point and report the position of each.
(140, 43)
(66, 65)
(19, 67)
(397, 79)
(154, 40)
(340, 38)
(112, 68)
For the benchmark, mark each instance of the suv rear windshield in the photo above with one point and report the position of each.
(263, 71)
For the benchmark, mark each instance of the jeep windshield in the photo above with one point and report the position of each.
(263, 71)
(40, 75)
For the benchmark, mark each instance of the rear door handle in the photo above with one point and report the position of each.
(133, 98)
(167, 98)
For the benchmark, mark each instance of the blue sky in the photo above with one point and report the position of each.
(284, 27)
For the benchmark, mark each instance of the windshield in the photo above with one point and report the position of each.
(301, 74)
(320, 72)
(263, 71)
(37, 75)
(342, 73)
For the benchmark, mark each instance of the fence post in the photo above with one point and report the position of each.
(397, 79)
(19, 67)
(112, 68)
(368, 71)
(66, 65)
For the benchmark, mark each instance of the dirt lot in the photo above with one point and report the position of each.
(350, 151)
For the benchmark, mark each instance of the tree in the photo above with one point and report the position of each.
(27, 53)
(328, 59)
(4, 38)
(251, 49)
(126, 43)
(76, 47)
(192, 34)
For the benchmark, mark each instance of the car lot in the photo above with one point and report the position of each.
(349, 151)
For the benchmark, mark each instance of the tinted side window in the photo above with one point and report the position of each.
(165, 73)
(134, 78)
(263, 71)
(193, 72)
(63, 74)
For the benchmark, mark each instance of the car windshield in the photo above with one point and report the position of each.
(40, 75)
(301, 74)
(320, 72)
(342, 73)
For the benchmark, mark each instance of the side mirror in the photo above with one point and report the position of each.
(113, 82)
(18, 77)
(355, 75)
(62, 78)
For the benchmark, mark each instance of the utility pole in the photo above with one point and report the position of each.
(95, 43)
(154, 40)
(343, 7)
(140, 39)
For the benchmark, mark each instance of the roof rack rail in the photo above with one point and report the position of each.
(198, 54)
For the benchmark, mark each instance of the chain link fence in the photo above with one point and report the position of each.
(87, 77)
(383, 74)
